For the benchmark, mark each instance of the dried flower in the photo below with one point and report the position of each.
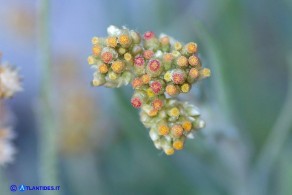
(9, 81)
(9, 85)
(7, 150)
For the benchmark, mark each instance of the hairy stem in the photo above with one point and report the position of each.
(48, 134)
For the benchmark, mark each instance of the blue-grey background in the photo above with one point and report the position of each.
(100, 153)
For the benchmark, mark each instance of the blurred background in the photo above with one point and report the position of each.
(102, 148)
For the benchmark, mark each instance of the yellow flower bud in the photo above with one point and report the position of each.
(118, 66)
(177, 130)
(185, 88)
(127, 57)
(163, 129)
(112, 76)
(145, 78)
(90, 60)
(103, 68)
(191, 47)
(150, 93)
(169, 151)
(177, 46)
(178, 145)
(111, 41)
(94, 40)
(124, 40)
(174, 112)
(205, 72)
(187, 125)
(167, 76)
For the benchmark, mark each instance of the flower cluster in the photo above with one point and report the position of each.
(9, 85)
(159, 69)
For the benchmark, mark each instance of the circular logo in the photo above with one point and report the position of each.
(13, 188)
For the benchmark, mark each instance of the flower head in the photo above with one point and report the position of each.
(193, 60)
(111, 41)
(191, 47)
(154, 68)
(157, 104)
(157, 86)
(177, 130)
(178, 76)
(136, 102)
(125, 40)
(148, 54)
(139, 61)
(149, 35)
(163, 129)
(118, 66)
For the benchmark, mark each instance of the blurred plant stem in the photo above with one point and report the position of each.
(275, 142)
(48, 134)
(4, 184)
(232, 150)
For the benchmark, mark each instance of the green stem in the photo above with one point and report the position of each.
(276, 140)
(48, 134)
(4, 185)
